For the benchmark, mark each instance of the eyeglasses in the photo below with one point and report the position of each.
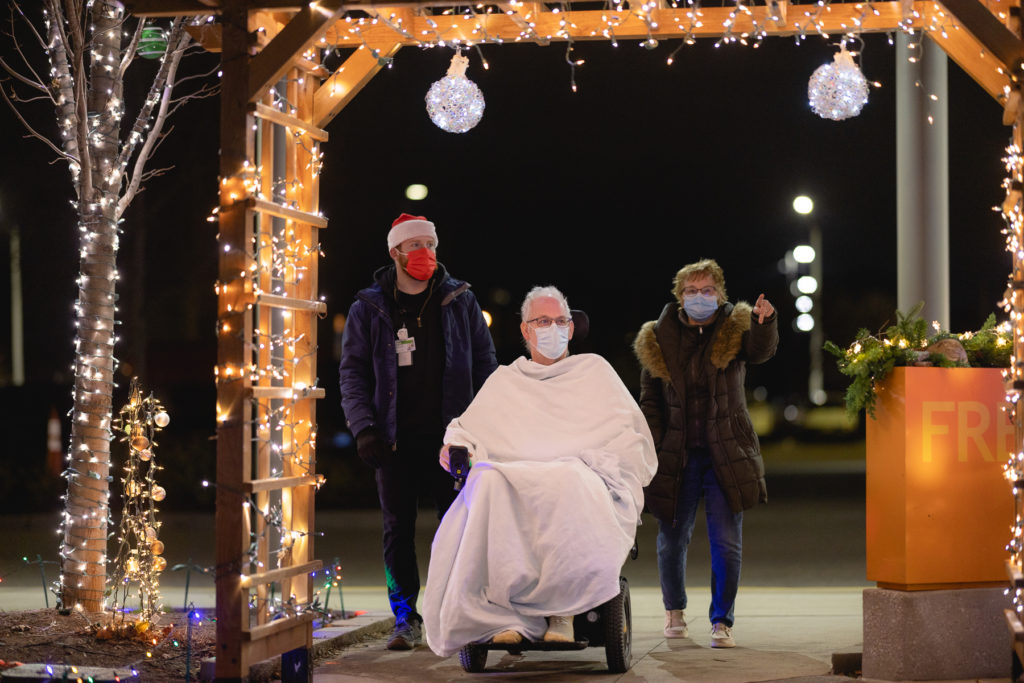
(546, 322)
(706, 291)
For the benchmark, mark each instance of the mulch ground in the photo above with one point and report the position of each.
(46, 636)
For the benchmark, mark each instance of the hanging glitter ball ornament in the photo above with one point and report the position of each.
(838, 91)
(454, 103)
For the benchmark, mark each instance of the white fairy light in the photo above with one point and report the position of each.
(455, 103)
(839, 90)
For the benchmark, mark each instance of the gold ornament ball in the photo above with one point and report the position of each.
(145, 454)
(157, 547)
(159, 564)
(162, 419)
(140, 443)
(150, 532)
(158, 493)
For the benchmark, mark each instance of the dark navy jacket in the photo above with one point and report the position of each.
(369, 364)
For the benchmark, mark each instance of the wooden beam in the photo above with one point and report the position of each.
(346, 82)
(307, 26)
(278, 483)
(280, 118)
(280, 626)
(286, 393)
(291, 303)
(273, 209)
(989, 32)
(707, 22)
(283, 573)
(980, 64)
(176, 8)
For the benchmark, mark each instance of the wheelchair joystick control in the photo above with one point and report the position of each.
(458, 465)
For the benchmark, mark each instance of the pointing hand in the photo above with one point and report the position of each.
(763, 309)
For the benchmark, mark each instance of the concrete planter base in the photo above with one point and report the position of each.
(936, 635)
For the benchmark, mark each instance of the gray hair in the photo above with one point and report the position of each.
(540, 292)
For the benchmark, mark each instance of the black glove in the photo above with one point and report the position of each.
(372, 448)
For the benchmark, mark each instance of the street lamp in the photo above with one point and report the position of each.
(808, 299)
(416, 192)
(803, 205)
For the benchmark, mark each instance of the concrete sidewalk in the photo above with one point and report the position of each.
(783, 633)
(800, 598)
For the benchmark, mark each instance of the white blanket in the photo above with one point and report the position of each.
(561, 454)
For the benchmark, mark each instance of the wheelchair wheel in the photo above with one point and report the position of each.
(618, 630)
(473, 658)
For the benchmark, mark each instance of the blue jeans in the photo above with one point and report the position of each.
(725, 533)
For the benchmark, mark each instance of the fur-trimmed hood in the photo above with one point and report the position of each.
(725, 347)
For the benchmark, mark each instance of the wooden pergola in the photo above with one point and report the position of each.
(277, 98)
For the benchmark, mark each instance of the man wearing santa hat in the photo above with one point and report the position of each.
(415, 350)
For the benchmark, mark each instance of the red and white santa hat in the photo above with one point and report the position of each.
(406, 226)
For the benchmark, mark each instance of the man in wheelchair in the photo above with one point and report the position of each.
(560, 454)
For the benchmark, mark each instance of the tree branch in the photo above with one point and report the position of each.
(32, 131)
(156, 172)
(31, 26)
(17, 47)
(163, 85)
(129, 53)
(24, 79)
(82, 113)
(64, 84)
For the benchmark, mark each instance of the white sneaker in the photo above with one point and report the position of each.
(721, 636)
(559, 630)
(675, 624)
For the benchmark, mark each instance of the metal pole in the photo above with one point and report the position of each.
(17, 317)
(816, 376)
(922, 180)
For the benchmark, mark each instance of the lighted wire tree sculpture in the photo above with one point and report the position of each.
(139, 558)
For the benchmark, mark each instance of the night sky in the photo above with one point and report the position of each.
(605, 193)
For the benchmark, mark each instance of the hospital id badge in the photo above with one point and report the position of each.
(404, 346)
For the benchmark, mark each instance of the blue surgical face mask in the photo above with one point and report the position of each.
(700, 307)
(552, 341)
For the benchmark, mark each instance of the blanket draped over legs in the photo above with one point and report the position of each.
(549, 511)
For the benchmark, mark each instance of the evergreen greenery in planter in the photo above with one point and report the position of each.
(870, 358)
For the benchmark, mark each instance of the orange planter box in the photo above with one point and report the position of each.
(939, 512)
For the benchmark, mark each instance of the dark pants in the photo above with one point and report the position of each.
(413, 471)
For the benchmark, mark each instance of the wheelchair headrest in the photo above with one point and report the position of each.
(581, 325)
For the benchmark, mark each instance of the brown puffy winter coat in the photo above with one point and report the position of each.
(735, 451)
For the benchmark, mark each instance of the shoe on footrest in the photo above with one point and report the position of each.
(675, 624)
(508, 637)
(559, 630)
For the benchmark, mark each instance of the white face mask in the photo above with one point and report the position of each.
(552, 341)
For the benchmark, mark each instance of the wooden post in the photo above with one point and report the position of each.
(1012, 212)
(234, 328)
(266, 370)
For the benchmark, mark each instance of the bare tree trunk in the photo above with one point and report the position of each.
(83, 576)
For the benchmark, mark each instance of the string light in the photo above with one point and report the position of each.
(455, 103)
(839, 90)
(139, 559)
(1013, 304)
